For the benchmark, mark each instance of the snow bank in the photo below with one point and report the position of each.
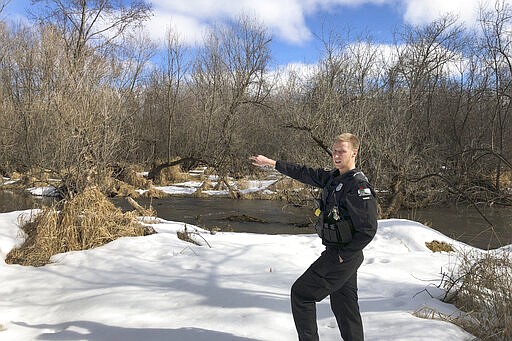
(161, 288)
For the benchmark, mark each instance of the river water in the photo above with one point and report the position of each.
(276, 217)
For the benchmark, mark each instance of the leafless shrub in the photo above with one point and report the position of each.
(481, 285)
(427, 312)
(207, 185)
(130, 176)
(187, 235)
(292, 191)
(126, 190)
(168, 175)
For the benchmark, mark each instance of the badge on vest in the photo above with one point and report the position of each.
(339, 187)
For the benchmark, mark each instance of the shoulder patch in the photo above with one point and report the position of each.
(364, 191)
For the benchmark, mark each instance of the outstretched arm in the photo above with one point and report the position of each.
(307, 175)
(261, 160)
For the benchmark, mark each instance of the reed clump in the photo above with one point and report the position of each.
(168, 175)
(438, 246)
(481, 285)
(85, 221)
(130, 176)
(293, 192)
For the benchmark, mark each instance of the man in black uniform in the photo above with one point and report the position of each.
(347, 223)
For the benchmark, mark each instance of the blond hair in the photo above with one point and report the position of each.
(348, 137)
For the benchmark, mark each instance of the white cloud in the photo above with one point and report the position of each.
(191, 17)
(291, 75)
(420, 12)
(301, 70)
(189, 29)
(286, 19)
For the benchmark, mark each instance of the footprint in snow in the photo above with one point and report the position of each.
(372, 260)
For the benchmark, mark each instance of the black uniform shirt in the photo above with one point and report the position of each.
(355, 199)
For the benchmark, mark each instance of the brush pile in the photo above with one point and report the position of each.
(85, 221)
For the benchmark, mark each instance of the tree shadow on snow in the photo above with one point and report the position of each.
(94, 331)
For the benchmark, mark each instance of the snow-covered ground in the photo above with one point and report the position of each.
(159, 287)
(190, 187)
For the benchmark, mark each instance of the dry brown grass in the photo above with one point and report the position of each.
(286, 184)
(207, 185)
(130, 176)
(260, 195)
(199, 194)
(243, 184)
(28, 180)
(292, 191)
(505, 178)
(437, 246)
(124, 189)
(114, 182)
(155, 193)
(171, 175)
(86, 221)
(16, 176)
(481, 285)
(32, 178)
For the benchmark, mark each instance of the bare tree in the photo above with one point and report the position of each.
(230, 86)
(136, 53)
(134, 69)
(175, 71)
(168, 87)
(341, 93)
(92, 22)
(3, 3)
(423, 62)
(406, 143)
(73, 108)
(497, 45)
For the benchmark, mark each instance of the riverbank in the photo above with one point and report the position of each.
(193, 202)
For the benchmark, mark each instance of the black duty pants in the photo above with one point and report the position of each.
(327, 276)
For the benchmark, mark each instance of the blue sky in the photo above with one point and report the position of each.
(376, 21)
(294, 24)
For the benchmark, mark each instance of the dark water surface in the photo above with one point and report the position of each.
(256, 216)
(276, 217)
(467, 224)
(15, 200)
